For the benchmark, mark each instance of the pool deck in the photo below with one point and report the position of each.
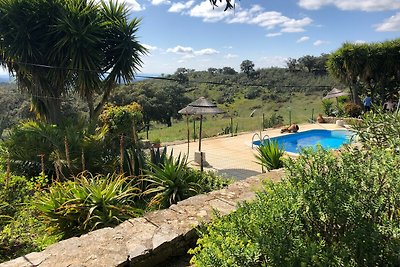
(234, 156)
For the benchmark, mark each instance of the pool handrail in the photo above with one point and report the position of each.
(259, 138)
(252, 139)
(266, 135)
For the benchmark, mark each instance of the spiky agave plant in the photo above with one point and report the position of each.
(88, 203)
(270, 155)
(170, 182)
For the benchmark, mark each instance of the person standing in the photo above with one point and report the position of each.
(388, 106)
(367, 103)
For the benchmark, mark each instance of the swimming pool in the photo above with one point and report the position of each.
(326, 138)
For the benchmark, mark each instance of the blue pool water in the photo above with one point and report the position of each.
(326, 138)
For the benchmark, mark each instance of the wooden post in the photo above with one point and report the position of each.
(231, 126)
(201, 126)
(201, 162)
(194, 129)
(312, 115)
(263, 120)
(188, 134)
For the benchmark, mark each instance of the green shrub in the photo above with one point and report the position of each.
(88, 203)
(209, 181)
(13, 194)
(173, 181)
(23, 234)
(170, 182)
(327, 106)
(20, 231)
(121, 119)
(352, 110)
(379, 130)
(270, 155)
(273, 121)
(328, 211)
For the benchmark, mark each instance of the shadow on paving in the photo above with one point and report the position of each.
(239, 174)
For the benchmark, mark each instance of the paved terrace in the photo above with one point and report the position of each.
(233, 156)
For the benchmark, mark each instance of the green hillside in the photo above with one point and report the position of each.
(268, 92)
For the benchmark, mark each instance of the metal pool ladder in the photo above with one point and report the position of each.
(259, 138)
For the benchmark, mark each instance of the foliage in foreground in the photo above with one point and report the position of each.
(20, 230)
(173, 181)
(88, 203)
(270, 155)
(379, 129)
(328, 212)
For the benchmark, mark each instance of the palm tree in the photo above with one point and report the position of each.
(82, 46)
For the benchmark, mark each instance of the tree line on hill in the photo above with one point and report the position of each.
(162, 98)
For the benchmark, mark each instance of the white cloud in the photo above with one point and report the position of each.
(255, 15)
(391, 24)
(189, 52)
(134, 5)
(273, 34)
(205, 11)
(179, 7)
(364, 5)
(303, 39)
(270, 20)
(159, 2)
(229, 56)
(293, 25)
(266, 62)
(360, 42)
(320, 42)
(150, 47)
(180, 50)
(206, 52)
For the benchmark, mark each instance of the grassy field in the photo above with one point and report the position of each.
(301, 107)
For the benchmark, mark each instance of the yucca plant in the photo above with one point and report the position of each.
(88, 203)
(270, 155)
(170, 182)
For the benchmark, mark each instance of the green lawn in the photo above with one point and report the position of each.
(301, 106)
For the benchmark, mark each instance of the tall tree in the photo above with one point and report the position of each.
(308, 61)
(54, 47)
(372, 68)
(247, 66)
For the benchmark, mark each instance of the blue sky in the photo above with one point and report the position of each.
(191, 34)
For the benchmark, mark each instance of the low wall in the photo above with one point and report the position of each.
(346, 120)
(149, 240)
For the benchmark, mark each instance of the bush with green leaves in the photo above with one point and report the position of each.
(14, 192)
(352, 110)
(270, 155)
(20, 230)
(173, 181)
(327, 106)
(88, 203)
(379, 129)
(273, 121)
(328, 211)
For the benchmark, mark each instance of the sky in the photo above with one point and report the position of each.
(191, 34)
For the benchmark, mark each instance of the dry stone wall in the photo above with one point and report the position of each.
(149, 240)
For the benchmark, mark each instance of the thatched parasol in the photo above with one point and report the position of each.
(335, 93)
(201, 107)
